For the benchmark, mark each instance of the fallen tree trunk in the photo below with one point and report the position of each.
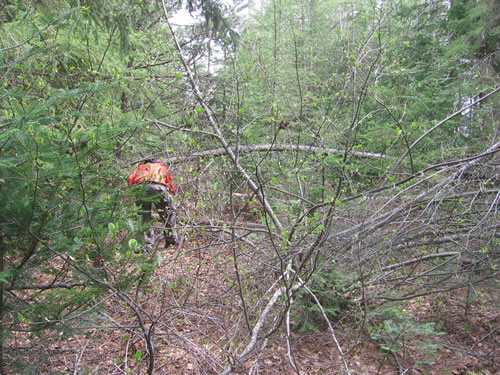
(263, 148)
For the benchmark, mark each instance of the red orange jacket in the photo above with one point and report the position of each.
(152, 172)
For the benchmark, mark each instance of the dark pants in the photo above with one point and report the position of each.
(158, 195)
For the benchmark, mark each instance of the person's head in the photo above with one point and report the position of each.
(151, 160)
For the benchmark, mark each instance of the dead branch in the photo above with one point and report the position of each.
(441, 123)
(428, 291)
(339, 348)
(79, 357)
(369, 226)
(44, 287)
(260, 323)
(420, 259)
(263, 148)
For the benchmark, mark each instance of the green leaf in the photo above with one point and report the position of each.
(132, 243)
(138, 355)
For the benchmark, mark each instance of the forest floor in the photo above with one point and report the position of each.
(197, 312)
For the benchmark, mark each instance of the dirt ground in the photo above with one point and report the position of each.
(194, 304)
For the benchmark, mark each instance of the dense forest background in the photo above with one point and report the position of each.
(338, 176)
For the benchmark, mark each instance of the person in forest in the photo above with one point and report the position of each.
(159, 188)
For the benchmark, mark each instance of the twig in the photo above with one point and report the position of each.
(258, 326)
(434, 291)
(419, 259)
(78, 359)
(44, 287)
(125, 358)
(330, 327)
(119, 369)
(485, 337)
(402, 370)
(441, 123)
(289, 353)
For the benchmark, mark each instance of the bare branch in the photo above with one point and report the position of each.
(329, 326)
(441, 123)
(264, 148)
(420, 259)
(260, 323)
(44, 287)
